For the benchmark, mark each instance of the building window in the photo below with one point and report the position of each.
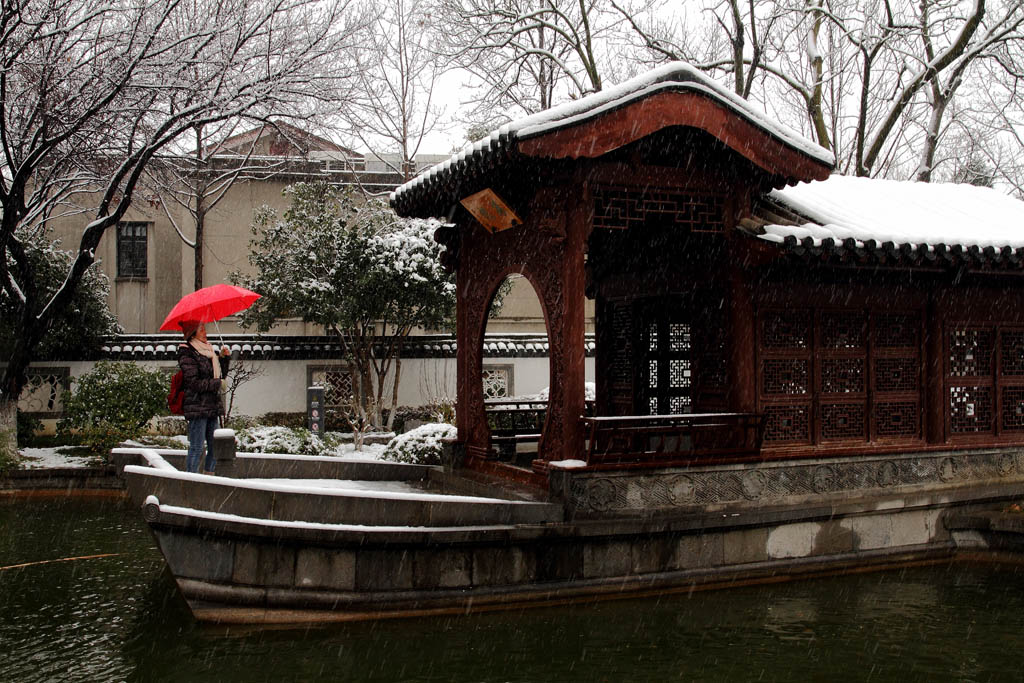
(337, 383)
(497, 381)
(43, 395)
(841, 375)
(131, 249)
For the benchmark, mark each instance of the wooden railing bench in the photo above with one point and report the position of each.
(645, 438)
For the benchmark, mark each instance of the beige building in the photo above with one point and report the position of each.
(150, 265)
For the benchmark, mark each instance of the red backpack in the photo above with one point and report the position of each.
(176, 398)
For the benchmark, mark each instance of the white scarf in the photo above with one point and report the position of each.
(204, 349)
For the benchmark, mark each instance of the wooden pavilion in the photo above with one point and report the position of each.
(736, 319)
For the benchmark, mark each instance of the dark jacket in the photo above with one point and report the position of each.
(202, 391)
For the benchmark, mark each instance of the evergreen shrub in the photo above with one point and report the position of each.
(286, 440)
(420, 446)
(27, 428)
(113, 402)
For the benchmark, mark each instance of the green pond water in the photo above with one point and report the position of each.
(119, 618)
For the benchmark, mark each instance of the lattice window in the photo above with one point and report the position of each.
(843, 330)
(1013, 408)
(896, 419)
(970, 352)
(970, 409)
(1012, 352)
(896, 330)
(828, 357)
(43, 395)
(497, 381)
(337, 383)
(842, 421)
(678, 405)
(679, 373)
(897, 374)
(617, 208)
(787, 423)
(678, 337)
(842, 375)
(786, 376)
(667, 341)
(786, 330)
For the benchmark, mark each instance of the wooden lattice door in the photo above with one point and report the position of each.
(666, 363)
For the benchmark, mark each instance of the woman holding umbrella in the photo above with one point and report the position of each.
(203, 371)
(203, 368)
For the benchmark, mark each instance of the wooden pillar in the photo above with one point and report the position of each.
(742, 393)
(472, 303)
(564, 298)
(934, 413)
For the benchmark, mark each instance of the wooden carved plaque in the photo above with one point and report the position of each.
(491, 211)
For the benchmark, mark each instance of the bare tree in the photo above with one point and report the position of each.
(1001, 29)
(193, 184)
(528, 53)
(91, 93)
(394, 107)
(240, 373)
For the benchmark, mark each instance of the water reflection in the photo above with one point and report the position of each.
(120, 618)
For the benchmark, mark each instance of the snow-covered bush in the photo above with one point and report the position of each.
(280, 440)
(589, 392)
(169, 425)
(420, 446)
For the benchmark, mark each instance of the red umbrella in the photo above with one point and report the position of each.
(209, 304)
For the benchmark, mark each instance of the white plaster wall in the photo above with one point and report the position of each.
(281, 386)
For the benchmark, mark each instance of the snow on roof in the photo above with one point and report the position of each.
(902, 212)
(677, 76)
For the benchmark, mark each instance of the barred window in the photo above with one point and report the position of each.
(43, 395)
(497, 381)
(337, 383)
(132, 249)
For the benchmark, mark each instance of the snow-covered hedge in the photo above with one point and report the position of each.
(281, 440)
(589, 392)
(420, 446)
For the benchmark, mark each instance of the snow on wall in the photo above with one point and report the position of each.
(282, 386)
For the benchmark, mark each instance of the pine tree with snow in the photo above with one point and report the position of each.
(369, 277)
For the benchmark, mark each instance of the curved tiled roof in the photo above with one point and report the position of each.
(282, 347)
(501, 144)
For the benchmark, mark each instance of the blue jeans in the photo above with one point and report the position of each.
(200, 433)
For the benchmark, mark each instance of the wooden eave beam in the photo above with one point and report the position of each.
(638, 119)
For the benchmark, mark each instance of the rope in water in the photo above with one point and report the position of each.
(63, 559)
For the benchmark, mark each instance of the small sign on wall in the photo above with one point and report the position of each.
(491, 211)
(315, 409)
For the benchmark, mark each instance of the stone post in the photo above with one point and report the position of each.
(224, 448)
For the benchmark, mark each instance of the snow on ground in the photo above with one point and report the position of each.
(351, 484)
(50, 458)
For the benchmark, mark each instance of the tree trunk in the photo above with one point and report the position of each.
(394, 391)
(8, 432)
(200, 229)
(931, 138)
(14, 379)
